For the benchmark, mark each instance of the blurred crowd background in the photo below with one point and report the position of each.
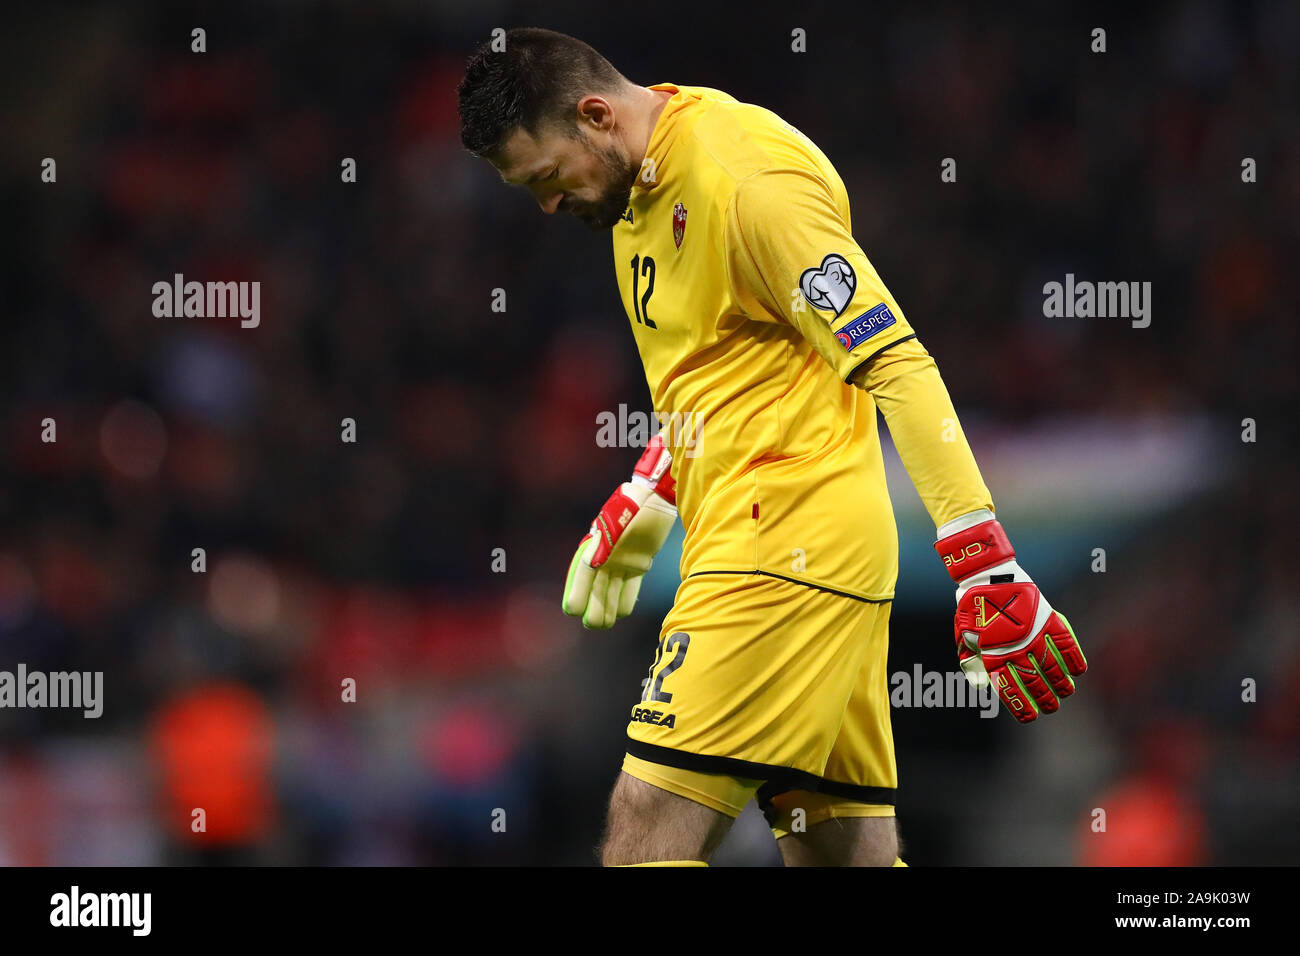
(476, 430)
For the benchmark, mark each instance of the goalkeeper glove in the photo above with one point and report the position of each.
(605, 575)
(1006, 631)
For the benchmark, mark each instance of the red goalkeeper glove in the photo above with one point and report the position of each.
(605, 575)
(1006, 631)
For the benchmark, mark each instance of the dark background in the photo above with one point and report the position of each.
(476, 429)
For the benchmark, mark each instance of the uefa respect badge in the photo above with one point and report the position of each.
(866, 325)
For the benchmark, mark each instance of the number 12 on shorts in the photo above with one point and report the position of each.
(652, 688)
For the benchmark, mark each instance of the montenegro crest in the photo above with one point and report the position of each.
(679, 224)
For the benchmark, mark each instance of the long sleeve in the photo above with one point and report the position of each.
(907, 388)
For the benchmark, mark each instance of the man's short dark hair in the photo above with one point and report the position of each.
(535, 82)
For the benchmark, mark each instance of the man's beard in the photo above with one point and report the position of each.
(606, 212)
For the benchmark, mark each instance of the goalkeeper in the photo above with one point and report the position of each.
(758, 317)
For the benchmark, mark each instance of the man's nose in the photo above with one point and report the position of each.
(550, 203)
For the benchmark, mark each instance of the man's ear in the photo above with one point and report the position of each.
(595, 113)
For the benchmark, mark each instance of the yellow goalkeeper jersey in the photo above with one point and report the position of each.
(752, 306)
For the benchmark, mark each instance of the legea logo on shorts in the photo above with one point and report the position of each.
(865, 326)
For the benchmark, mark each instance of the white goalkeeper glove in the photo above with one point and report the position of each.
(605, 575)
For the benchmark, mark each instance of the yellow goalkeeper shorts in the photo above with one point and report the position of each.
(764, 688)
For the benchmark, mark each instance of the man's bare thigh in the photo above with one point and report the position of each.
(648, 825)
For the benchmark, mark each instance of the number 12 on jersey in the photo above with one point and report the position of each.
(643, 267)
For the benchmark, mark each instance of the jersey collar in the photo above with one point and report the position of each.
(660, 145)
